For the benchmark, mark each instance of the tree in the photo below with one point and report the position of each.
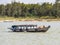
(57, 1)
(2, 10)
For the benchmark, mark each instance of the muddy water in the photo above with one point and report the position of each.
(51, 37)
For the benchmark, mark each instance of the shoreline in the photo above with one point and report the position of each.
(12, 19)
(42, 20)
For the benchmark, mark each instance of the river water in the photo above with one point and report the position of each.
(51, 37)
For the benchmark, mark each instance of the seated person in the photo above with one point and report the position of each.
(42, 26)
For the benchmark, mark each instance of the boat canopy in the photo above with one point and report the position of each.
(27, 26)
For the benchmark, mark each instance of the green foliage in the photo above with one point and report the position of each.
(16, 9)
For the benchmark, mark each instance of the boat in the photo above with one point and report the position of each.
(29, 28)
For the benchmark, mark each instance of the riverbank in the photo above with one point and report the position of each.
(4, 19)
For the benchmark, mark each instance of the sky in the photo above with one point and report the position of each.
(27, 1)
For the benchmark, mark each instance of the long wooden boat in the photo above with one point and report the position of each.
(29, 28)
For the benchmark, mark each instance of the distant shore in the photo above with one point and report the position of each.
(11, 19)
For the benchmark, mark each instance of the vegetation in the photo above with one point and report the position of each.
(21, 10)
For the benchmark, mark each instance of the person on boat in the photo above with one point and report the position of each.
(42, 26)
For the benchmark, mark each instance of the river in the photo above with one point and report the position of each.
(51, 37)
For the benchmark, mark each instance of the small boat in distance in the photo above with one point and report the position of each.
(29, 28)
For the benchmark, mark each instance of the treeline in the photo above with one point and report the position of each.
(17, 9)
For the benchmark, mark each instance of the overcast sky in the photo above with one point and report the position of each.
(26, 1)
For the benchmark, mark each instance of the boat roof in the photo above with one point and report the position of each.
(24, 26)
